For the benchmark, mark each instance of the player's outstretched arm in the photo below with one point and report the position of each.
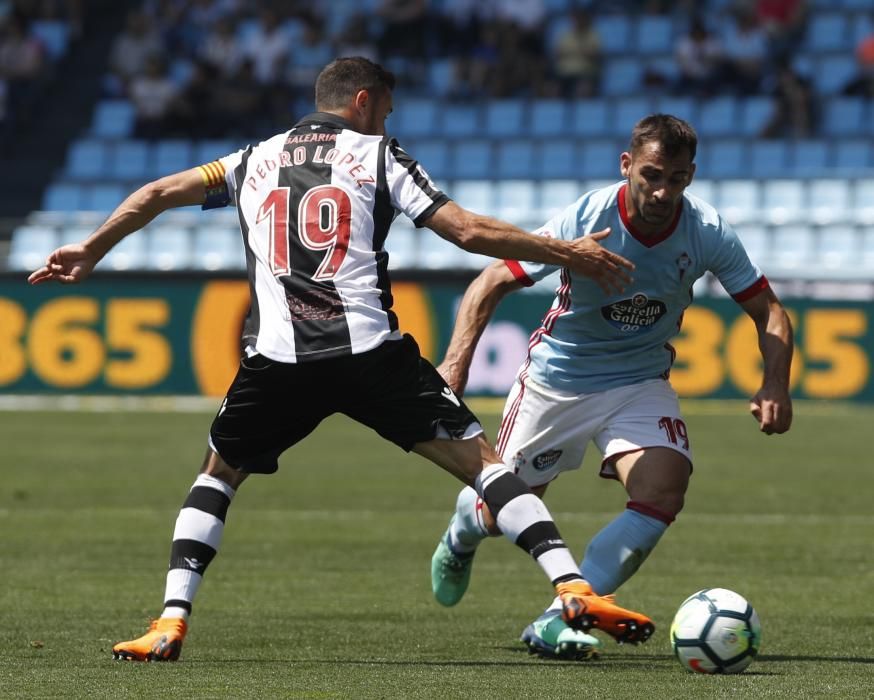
(476, 309)
(498, 239)
(73, 262)
(772, 406)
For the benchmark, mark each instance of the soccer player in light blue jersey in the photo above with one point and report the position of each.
(598, 367)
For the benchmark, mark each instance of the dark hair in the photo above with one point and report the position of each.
(672, 133)
(341, 80)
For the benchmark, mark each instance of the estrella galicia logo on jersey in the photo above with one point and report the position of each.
(684, 262)
(636, 315)
(545, 460)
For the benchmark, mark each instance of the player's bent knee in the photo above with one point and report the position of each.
(215, 466)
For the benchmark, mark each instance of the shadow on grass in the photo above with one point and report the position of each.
(838, 659)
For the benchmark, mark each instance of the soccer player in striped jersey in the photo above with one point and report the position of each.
(315, 204)
(598, 366)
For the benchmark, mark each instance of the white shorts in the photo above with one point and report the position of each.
(545, 432)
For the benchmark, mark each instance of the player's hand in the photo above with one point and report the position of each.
(454, 375)
(609, 270)
(68, 264)
(772, 410)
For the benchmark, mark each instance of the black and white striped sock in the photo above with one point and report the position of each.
(526, 521)
(196, 540)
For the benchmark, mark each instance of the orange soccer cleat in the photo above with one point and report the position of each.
(583, 609)
(163, 642)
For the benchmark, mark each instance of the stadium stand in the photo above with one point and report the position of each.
(525, 153)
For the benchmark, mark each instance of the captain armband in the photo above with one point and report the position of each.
(217, 193)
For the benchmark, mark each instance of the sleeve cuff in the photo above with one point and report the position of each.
(759, 285)
(420, 220)
(520, 274)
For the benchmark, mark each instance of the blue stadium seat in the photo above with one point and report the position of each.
(436, 253)
(863, 25)
(794, 250)
(769, 158)
(471, 159)
(62, 196)
(852, 156)
(113, 119)
(87, 159)
(218, 248)
(809, 157)
(417, 117)
(621, 76)
(433, 156)
(460, 120)
(833, 72)
(703, 189)
(209, 150)
(129, 160)
(755, 112)
(866, 252)
(402, 244)
(30, 246)
(724, 158)
(591, 117)
(477, 195)
(628, 111)
(829, 200)
(827, 31)
(739, 201)
(837, 248)
(514, 158)
(556, 159)
(129, 254)
(600, 159)
(863, 200)
(756, 240)
(655, 34)
(555, 195)
(682, 107)
(615, 32)
(718, 117)
(844, 116)
(549, 118)
(53, 35)
(784, 200)
(171, 156)
(505, 117)
(441, 76)
(103, 197)
(168, 248)
(517, 201)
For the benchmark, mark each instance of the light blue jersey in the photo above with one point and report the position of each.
(590, 341)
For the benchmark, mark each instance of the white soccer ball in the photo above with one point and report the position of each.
(716, 631)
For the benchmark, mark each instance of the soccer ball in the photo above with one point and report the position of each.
(716, 631)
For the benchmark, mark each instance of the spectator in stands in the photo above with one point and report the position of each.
(22, 65)
(863, 84)
(154, 97)
(131, 50)
(267, 47)
(784, 22)
(746, 53)
(794, 113)
(238, 100)
(405, 24)
(221, 48)
(578, 57)
(308, 55)
(354, 39)
(699, 56)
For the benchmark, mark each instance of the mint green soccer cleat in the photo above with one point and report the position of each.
(549, 636)
(450, 572)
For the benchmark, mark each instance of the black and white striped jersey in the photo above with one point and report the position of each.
(315, 204)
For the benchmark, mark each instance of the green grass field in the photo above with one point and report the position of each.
(322, 590)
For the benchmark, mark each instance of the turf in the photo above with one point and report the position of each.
(321, 589)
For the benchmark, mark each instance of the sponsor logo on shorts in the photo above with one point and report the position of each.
(636, 315)
(545, 460)
(449, 395)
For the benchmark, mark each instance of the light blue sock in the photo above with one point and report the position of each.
(618, 550)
